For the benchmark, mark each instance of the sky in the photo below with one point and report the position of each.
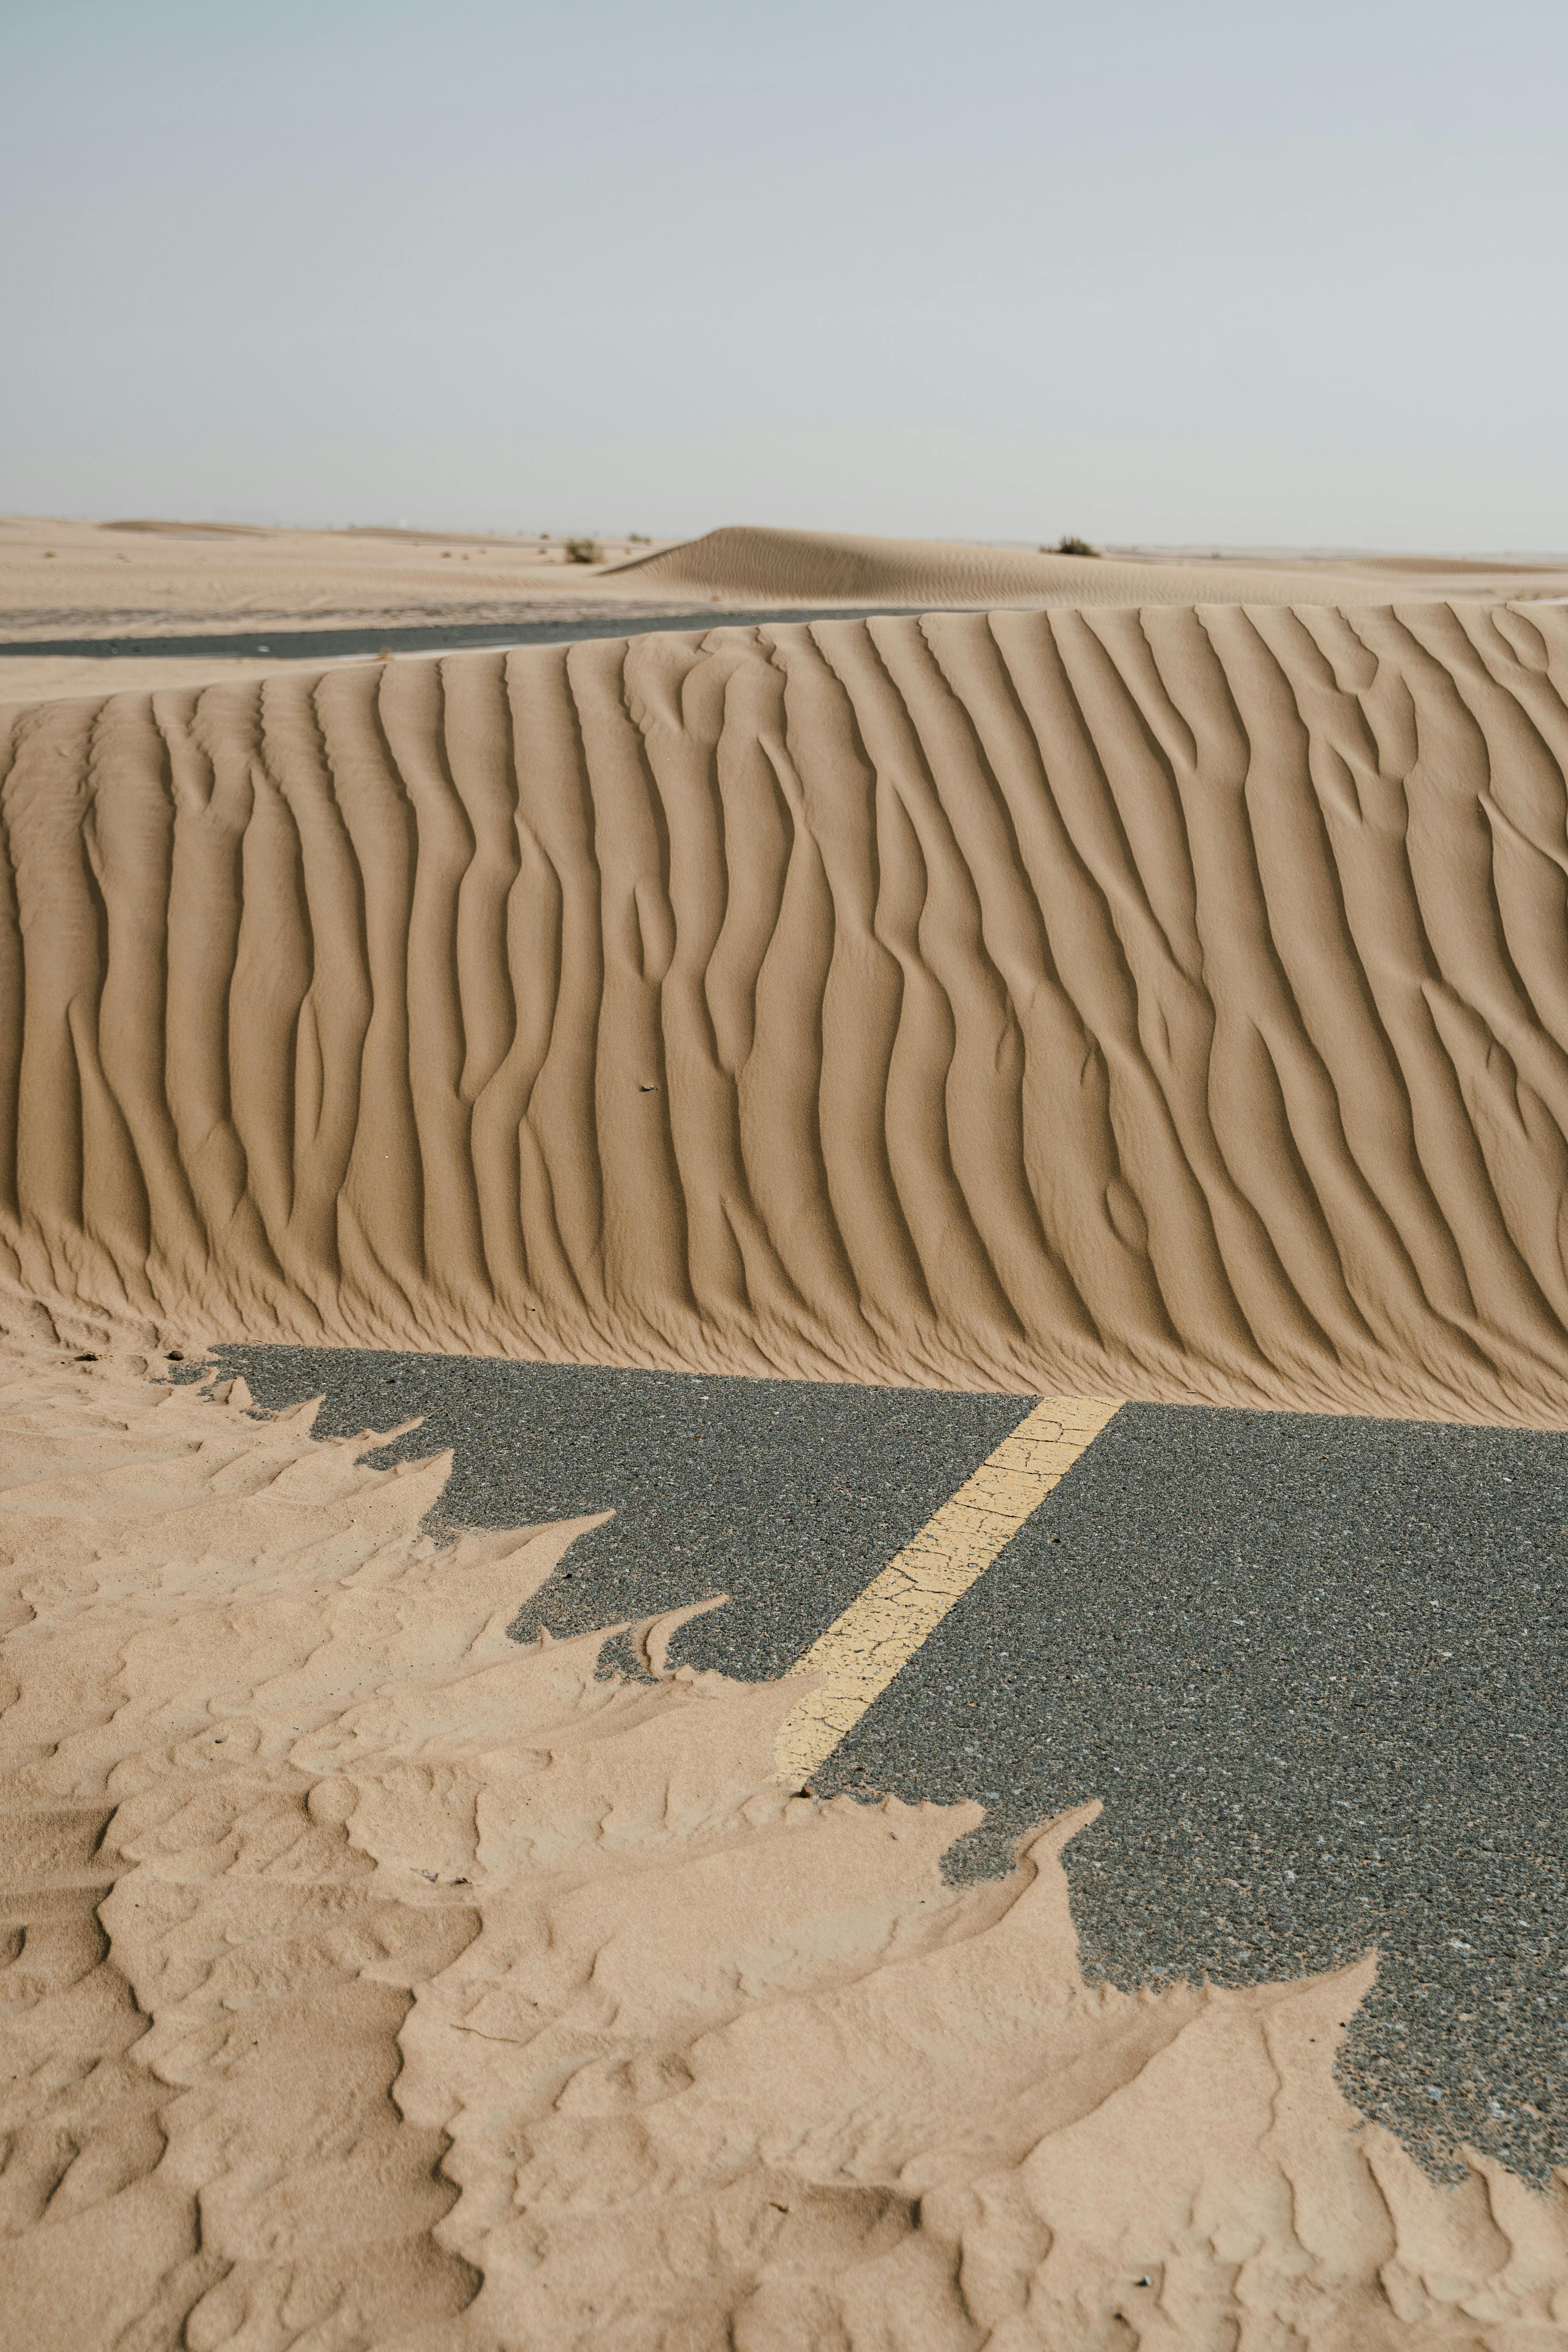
(1250, 274)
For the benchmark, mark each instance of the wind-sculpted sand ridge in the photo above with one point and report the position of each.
(372, 1979)
(1169, 1004)
(817, 566)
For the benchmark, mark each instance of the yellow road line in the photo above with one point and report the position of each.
(879, 1634)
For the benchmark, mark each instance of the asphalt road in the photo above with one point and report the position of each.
(1314, 1667)
(290, 644)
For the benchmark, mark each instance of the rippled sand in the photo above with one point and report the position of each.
(1163, 1000)
(1167, 1003)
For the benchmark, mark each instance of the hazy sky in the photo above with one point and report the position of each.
(1252, 273)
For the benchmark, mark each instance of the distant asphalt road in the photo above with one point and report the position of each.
(291, 643)
(1314, 1668)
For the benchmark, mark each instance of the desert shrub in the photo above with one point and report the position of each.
(1068, 545)
(581, 550)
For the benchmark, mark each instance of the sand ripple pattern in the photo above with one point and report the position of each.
(1169, 1002)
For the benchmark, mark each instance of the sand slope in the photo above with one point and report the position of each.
(372, 1981)
(818, 566)
(1171, 1004)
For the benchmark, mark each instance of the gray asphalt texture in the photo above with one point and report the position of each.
(423, 637)
(1314, 1668)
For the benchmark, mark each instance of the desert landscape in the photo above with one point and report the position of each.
(1121, 978)
(157, 586)
(1164, 999)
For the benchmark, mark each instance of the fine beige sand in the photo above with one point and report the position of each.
(814, 566)
(64, 578)
(1164, 998)
(146, 580)
(96, 581)
(375, 1982)
(1168, 1003)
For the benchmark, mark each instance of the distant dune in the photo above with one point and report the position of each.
(1170, 1003)
(91, 608)
(819, 567)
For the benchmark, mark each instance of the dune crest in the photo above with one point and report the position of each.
(819, 567)
(373, 1979)
(1170, 1004)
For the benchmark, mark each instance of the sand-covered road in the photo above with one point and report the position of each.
(1059, 1110)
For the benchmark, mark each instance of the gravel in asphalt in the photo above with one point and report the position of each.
(1313, 1668)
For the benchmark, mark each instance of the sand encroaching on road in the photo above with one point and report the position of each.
(373, 1979)
(1169, 1004)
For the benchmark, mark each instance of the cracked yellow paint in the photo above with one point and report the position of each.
(880, 1633)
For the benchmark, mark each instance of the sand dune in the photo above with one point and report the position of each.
(151, 584)
(816, 566)
(374, 1981)
(1170, 1004)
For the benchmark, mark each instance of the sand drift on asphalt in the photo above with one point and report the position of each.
(376, 1979)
